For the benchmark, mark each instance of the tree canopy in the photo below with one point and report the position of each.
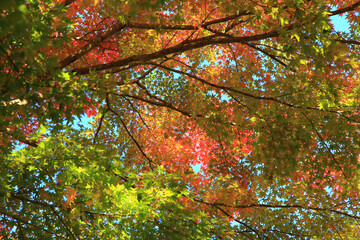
(179, 119)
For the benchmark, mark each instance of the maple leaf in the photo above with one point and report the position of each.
(110, 105)
(70, 195)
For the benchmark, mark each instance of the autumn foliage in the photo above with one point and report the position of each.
(179, 119)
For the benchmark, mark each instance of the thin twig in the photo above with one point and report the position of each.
(325, 144)
(100, 124)
(141, 118)
(30, 224)
(269, 55)
(129, 133)
(242, 223)
(62, 221)
(10, 59)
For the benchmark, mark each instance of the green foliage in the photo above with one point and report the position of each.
(108, 107)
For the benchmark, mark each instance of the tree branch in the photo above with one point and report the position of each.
(179, 48)
(100, 124)
(91, 45)
(129, 133)
(32, 143)
(325, 144)
(255, 205)
(350, 8)
(30, 224)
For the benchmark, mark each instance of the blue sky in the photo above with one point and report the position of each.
(340, 23)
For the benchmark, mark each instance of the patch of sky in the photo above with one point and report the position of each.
(196, 167)
(340, 23)
(83, 122)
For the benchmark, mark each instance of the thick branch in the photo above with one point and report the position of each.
(119, 26)
(348, 41)
(68, 2)
(91, 45)
(350, 8)
(185, 27)
(25, 140)
(179, 48)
